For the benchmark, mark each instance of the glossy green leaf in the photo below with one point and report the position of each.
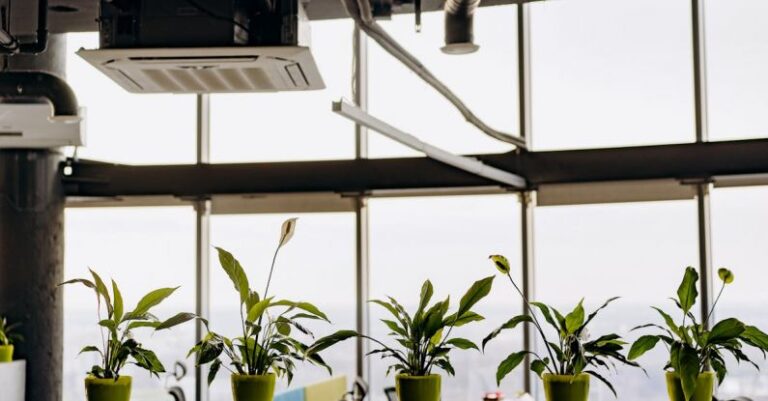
(726, 330)
(176, 320)
(641, 346)
(258, 309)
(575, 319)
(508, 365)
(152, 299)
(236, 274)
(119, 308)
(688, 370)
(479, 290)
(688, 292)
(510, 324)
(462, 343)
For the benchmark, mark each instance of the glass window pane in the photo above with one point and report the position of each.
(739, 229)
(448, 240)
(317, 266)
(125, 127)
(636, 251)
(142, 249)
(611, 73)
(291, 125)
(737, 39)
(486, 81)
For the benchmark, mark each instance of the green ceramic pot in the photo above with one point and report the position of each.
(418, 388)
(566, 387)
(6, 353)
(705, 387)
(253, 388)
(108, 389)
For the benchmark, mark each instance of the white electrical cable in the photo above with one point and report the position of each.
(360, 11)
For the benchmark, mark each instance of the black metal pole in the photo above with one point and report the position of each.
(32, 245)
(31, 263)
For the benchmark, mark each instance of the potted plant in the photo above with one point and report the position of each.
(696, 352)
(104, 381)
(267, 347)
(570, 360)
(8, 336)
(424, 339)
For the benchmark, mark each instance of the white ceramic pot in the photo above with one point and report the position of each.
(13, 380)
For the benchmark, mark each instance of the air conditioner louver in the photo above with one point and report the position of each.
(209, 70)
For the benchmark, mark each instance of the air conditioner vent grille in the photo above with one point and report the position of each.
(209, 70)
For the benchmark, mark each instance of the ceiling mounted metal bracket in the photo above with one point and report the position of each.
(467, 164)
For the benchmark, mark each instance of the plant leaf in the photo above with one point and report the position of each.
(152, 299)
(177, 320)
(331, 340)
(258, 309)
(575, 319)
(510, 324)
(642, 345)
(508, 365)
(688, 370)
(479, 290)
(462, 343)
(236, 274)
(687, 292)
(118, 301)
(102, 290)
(725, 331)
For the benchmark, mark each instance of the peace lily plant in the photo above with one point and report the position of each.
(118, 344)
(268, 346)
(424, 339)
(8, 336)
(696, 353)
(571, 359)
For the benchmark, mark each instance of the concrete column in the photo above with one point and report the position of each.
(32, 245)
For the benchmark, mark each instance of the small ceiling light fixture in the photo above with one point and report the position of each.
(459, 26)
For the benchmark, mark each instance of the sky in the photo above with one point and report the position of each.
(604, 73)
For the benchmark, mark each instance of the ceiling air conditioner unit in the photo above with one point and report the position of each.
(205, 46)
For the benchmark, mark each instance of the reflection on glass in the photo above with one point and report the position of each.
(142, 249)
(638, 251)
(739, 229)
(448, 240)
(317, 266)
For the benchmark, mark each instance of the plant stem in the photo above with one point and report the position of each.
(535, 320)
(711, 311)
(266, 294)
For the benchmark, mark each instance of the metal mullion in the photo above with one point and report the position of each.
(527, 199)
(362, 262)
(702, 135)
(202, 243)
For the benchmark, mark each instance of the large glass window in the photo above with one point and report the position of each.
(317, 266)
(447, 240)
(737, 37)
(636, 251)
(124, 127)
(291, 125)
(739, 229)
(486, 81)
(142, 249)
(611, 73)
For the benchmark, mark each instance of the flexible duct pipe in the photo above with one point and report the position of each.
(459, 26)
(40, 85)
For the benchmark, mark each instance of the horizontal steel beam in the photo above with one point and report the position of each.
(694, 161)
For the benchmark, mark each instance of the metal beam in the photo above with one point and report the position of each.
(685, 161)
(471, 165)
